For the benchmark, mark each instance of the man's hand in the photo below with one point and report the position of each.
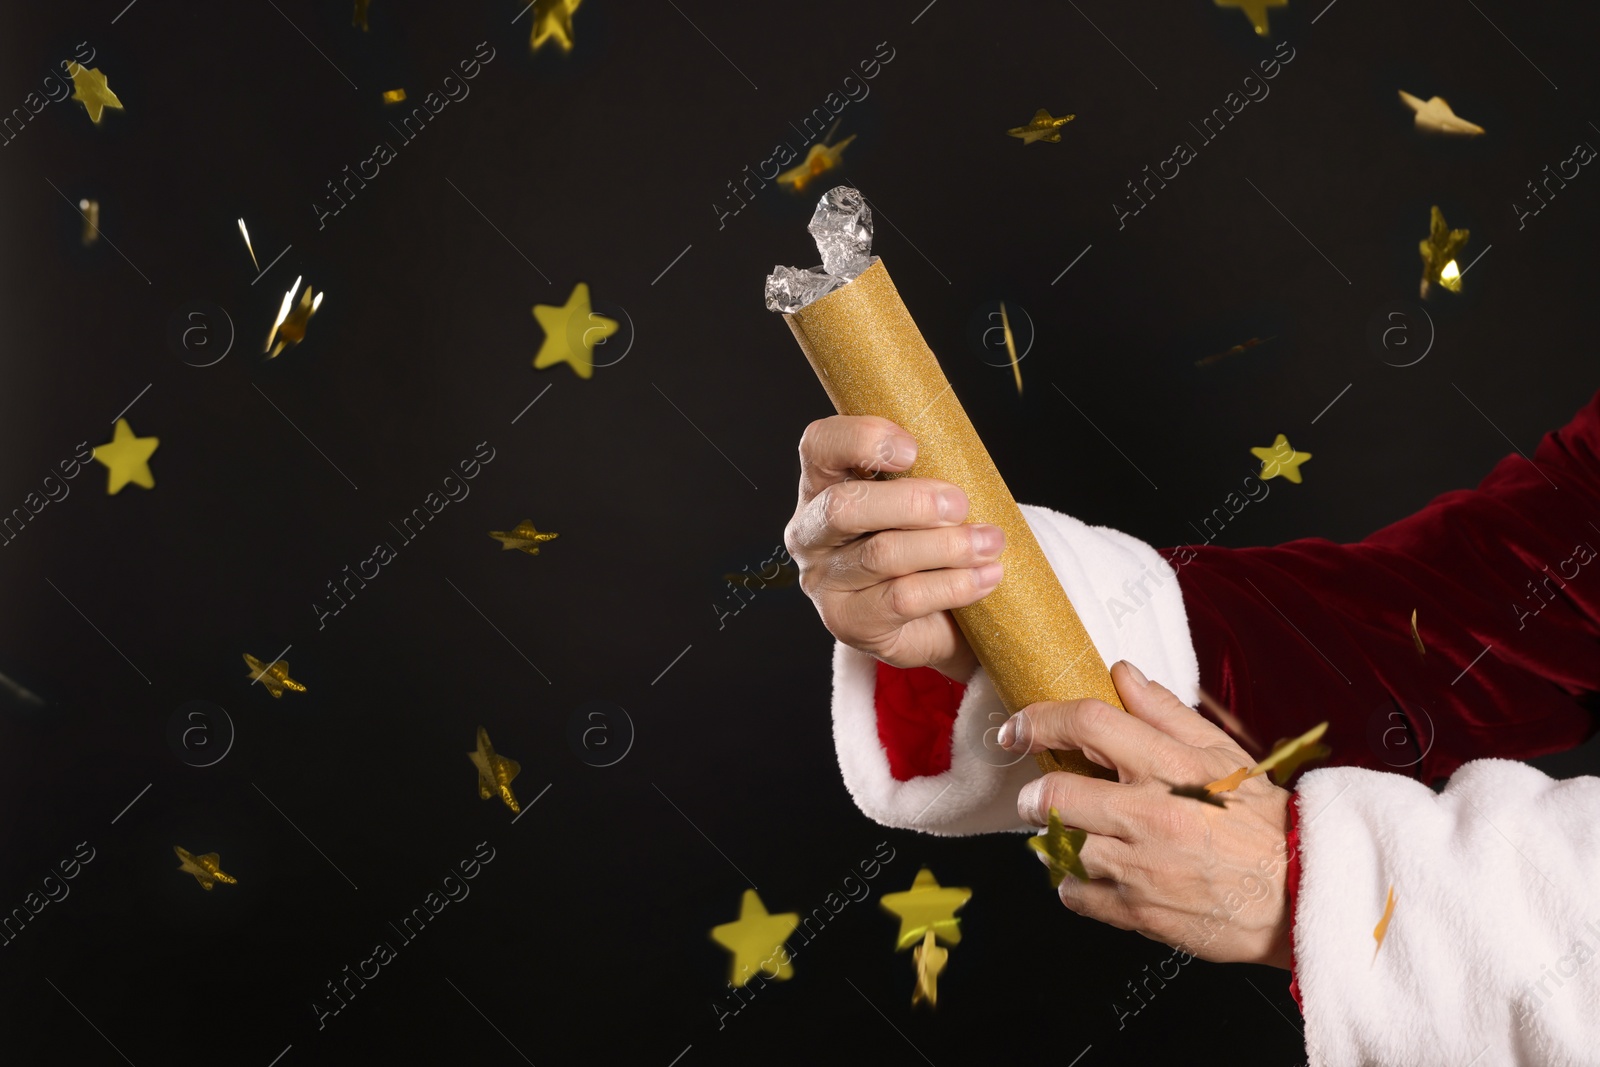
(1208, 880)
(884, 561)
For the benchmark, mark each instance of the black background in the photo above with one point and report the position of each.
(586, 939)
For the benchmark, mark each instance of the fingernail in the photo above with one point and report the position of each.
(903, 450)
(988, 575)
(987, 540)
(1028, 798)
(952, 504)
(1009, 730)
(1138, 675)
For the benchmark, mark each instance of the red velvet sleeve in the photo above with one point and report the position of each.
(1505, 580)
(1291, 890)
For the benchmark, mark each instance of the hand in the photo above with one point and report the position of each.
(884, 561)
(1204, 879)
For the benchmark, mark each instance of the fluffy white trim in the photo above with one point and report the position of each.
(1100, 569)
(1494, 897)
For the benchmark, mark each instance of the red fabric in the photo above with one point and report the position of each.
(1290, 635)
(1291, 891)
(916, 719)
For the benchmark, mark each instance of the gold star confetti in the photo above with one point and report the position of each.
(552, 21)
(127, 458)
(522, 537)
(89, 88)
(571, 331)
(394, 96)
(1011, 345)
(358, 18)
(245, 233)
(1416, 635)
(1255, 11)
(1228, 784)
(927, 907)
(1287, 756)
(290, 326)
(1435, 116)
(930, 960)
(1281, 459)
(820, 159)
(494, 772)
(90, 209)
(1234, 351)
(1061, 846)
(1439, 251)
(1381, 931)
(274, 675)
(207, 869)
(755, 938)
(1042, 127)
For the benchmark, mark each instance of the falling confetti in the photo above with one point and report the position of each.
(1200, 793)
(494, 772)
(755, 938)
(1228, 784)
(1287, 756)
(820, 159)
(394, 96)
(1042, 127)
(1060, 847)
(207, 869)
(1435, 116)
(290, 326)
(1255, 11)
(523, 537)
(930, 960)
(1282, 459)
(1235, 350)
(552, 21)
(571, 331)
(89, 88)
(127, 458)
(1011, 345)
(1415, 635)
(1439, 251)
(1381, 931)
(90, 209)
(358, 17)
(275, 676)
(927, 907)
(245, 233)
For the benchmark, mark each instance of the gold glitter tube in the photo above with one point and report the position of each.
(872, 360)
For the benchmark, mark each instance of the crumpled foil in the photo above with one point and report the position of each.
(842, 228)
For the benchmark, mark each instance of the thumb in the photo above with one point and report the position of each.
(1155, 704)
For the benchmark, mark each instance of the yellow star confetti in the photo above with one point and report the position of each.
(1228, 784)
(571, 331)
(289, 328)
(1416, 635)
(755, 938)
(1011, 345)
(1255, 11)
(927, 907)
(207, 869)
(930, 960)
(274, 675)
(1439, 251)
(552, 21)
(1435, 116)
(820, 159)
(1061, 846)
(1280, 459)
(394, 96)
(494, 772)
(1042, 127)
(127, 458)
(1381, 931)
(1201, 793)
(1287, 756)
(358, 17)
(89, 88)
(522, 537)
(90, 209)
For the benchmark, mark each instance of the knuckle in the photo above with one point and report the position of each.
(878, 556)
(921, 505)
(811, 439)
(901, 600)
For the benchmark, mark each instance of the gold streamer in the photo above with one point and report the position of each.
(872, 360)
